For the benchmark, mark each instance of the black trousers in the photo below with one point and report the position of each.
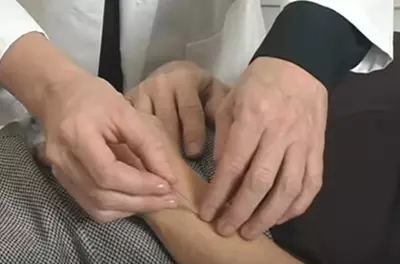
(356, 216)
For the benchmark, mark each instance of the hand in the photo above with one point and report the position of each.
(84, 123)
(176, 94)
(269, 148)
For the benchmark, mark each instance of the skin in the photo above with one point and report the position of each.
(183, 96)
(269, 148)
(192, 241)
(269, 142)
(84, 117)
(269, 138)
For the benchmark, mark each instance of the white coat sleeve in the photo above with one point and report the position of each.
(373, 18)
(15, 22)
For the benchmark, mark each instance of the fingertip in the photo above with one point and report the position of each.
(170, 201)
(225, 229)
(248, 233)
(194, 150)
(207, 212)
(162, 188)
(153, 204)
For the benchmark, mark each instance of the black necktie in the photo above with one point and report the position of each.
(110, 55)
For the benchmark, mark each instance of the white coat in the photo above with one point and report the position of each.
(219, 35)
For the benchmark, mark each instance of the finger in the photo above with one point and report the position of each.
(114, 201)
(165, 110)
(83, 201)
(215, 94)
(312, 184)
(140, 137)
(242, 142)
(131, 181)
(223, 121)
(138, 205)
(256, 184)
(124, 154)
(286, 189)
(123, 178)
(95, 200)
(193, 121)
(116, 175)
(77, 189)
(142, 102)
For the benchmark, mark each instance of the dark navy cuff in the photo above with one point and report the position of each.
(317, 39)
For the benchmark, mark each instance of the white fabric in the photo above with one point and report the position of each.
(220, 35)
(14, 23)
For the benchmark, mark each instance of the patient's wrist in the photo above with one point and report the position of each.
(189, 188)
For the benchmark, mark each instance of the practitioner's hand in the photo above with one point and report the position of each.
(269, 148)
(181, 95)
(84, 122)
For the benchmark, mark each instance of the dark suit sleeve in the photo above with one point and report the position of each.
(317, 39)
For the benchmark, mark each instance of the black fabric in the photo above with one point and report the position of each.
(356, 217)
(110, 55)
(317, 39)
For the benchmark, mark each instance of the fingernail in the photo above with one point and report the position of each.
(247, 233)
(207, 213)
(225, 229)
(162, 188)
(171, 202)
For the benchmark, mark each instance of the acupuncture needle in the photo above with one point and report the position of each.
(190, 206)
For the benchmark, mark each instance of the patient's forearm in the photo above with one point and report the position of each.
(192, 241)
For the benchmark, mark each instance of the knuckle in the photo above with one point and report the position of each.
(262, 180)
(99, 200)
(291, 187)
(236, 166)
(140, 90)
(103, 180)
(315, 183)
(188, 68)
(192, 109)
(161, 82)
(298, 210)
(259, 108)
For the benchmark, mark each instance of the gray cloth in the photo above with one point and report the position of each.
(41, 223)
(10, 108)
